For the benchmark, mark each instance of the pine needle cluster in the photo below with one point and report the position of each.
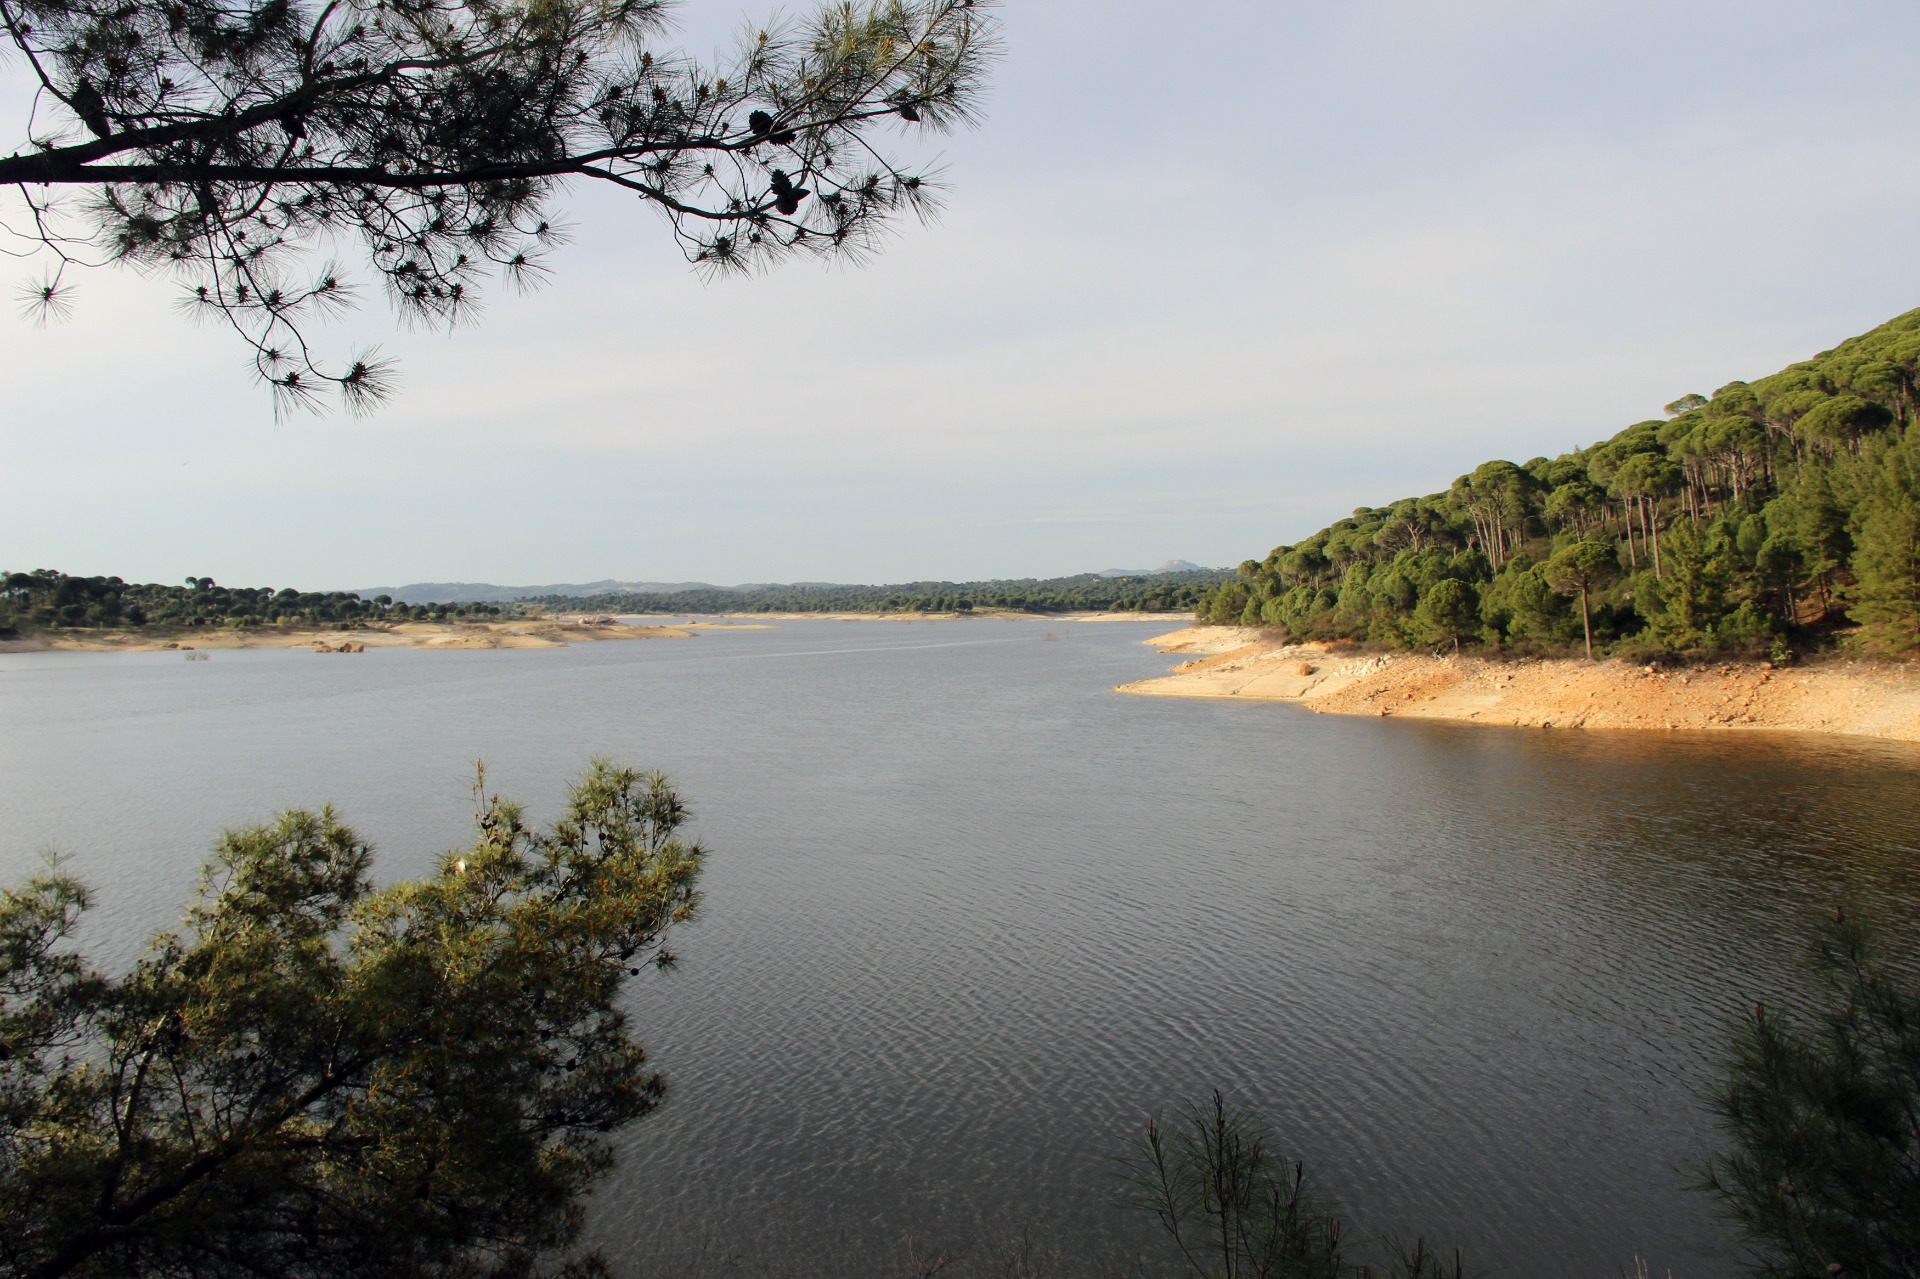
(239, 144)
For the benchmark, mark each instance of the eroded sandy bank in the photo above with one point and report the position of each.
(1861, 698)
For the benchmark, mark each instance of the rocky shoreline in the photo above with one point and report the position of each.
(1857, 698)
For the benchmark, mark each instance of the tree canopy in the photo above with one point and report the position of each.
(1769, 514)
(315, 1077)
(236, 143)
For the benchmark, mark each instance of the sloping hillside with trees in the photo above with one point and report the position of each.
(1769, 516)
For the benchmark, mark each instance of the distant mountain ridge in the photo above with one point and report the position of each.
(1082, 592)
(489, 593)
(492, 593)
(1171, 566)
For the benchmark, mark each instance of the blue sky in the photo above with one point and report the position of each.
(1211, 275)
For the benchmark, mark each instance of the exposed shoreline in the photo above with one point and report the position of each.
(518, 633)
(1855, 698)
(974, 615)
(527, 632)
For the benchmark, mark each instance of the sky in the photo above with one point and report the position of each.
(1211, 275)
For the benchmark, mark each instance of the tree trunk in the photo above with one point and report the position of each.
(1586, 620)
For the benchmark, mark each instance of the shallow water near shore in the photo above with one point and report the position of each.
(970, 916)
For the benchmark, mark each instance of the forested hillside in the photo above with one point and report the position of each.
(1770, 515)
(45, 599)
(1151, 593)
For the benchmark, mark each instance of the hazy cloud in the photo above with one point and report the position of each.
(1211, 276)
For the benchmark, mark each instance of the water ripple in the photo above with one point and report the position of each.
(970, 918)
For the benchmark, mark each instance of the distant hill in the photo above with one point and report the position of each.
(1149, 592)
(488, 593)
(1171, 566)
(491, 593)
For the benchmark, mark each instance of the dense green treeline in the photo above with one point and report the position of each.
(45, 600)
(1155, 593)
(1768, 515)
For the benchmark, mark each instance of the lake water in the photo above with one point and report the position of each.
(970, 917)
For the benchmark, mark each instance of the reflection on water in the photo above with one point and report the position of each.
(970, 916)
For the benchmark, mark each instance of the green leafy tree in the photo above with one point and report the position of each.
(1575, 503)
(1582, 568)
(1643, 479)
(1683, 608)
(231, 142)
(1539, 611)
(1886, 559)
(1449, 611)
(317, 1078)
(1824, 1116)
(1842, 421)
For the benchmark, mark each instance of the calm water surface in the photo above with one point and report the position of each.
(970, 917)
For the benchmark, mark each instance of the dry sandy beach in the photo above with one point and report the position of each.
(1834, 695)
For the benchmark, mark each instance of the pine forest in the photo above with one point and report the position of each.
(1770, 516)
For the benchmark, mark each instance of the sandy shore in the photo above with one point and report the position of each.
(1861, 698)
(526, 632)
(977, 615)
(519, 633)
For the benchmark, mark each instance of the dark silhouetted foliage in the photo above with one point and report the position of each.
(1824, 1115)
(235, 143)
(1231, 1206)
(319, 1078)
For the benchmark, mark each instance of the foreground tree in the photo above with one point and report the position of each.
(318, 1079)
(1824, 1114)
(1233, 1207)
(231, 140)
